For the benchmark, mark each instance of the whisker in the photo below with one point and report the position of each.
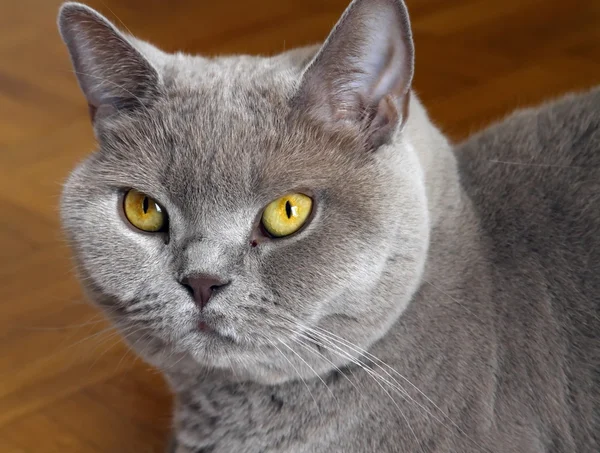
(319, 354)
(380, 362)
(130, 349)
(529, 164)
(112, 334)
(312, 369)
(103, 331)
(395, 383)
(231, 364)
(67, 327)
(376, 377)
(395, 386)
(300, 376)
(98, 357)
(333, 337)
(427, 411)
(183, 355)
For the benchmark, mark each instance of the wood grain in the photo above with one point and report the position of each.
(67, 383)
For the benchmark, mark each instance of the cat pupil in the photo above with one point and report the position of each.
(288, 209)
(145, 205)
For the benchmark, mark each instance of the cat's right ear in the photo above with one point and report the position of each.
(113, 75)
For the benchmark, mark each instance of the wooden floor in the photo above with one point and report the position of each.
(67, 384)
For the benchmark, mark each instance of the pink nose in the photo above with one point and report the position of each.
(202, 287)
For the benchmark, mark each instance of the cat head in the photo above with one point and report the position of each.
(242, 211)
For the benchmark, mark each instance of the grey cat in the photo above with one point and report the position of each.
(315, 269)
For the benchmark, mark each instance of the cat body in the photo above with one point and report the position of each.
(434, 299)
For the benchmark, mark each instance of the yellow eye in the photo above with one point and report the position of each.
(143, 212)
(287, 214)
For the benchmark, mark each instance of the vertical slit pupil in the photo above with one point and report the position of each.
(145, 204)
(288, 209)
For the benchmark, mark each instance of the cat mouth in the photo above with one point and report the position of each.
(209, 328)
(203, 326)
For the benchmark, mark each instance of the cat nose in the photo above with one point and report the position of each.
(202, 287)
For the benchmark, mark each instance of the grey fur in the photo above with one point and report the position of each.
(470, 275)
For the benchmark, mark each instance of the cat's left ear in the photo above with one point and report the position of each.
(361, 78)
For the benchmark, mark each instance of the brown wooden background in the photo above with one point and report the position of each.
(66, 383)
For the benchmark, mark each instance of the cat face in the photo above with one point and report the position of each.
(295, 202)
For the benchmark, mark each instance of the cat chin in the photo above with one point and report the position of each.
(200, 356)
(198, 365)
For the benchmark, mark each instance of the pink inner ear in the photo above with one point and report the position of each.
(390, 73)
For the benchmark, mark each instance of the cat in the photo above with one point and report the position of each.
(315, 268)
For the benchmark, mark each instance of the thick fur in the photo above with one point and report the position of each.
(439, 300)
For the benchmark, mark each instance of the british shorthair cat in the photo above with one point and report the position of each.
(315, 268)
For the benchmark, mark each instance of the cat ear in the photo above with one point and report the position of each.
(112, 73)
(361, 77)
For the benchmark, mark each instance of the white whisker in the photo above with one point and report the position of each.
(300, 376)
(313, 370)
(128, 349)
(377, 378)
(380, 363)
(529, 164)
(397, 386)
(319, 354)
